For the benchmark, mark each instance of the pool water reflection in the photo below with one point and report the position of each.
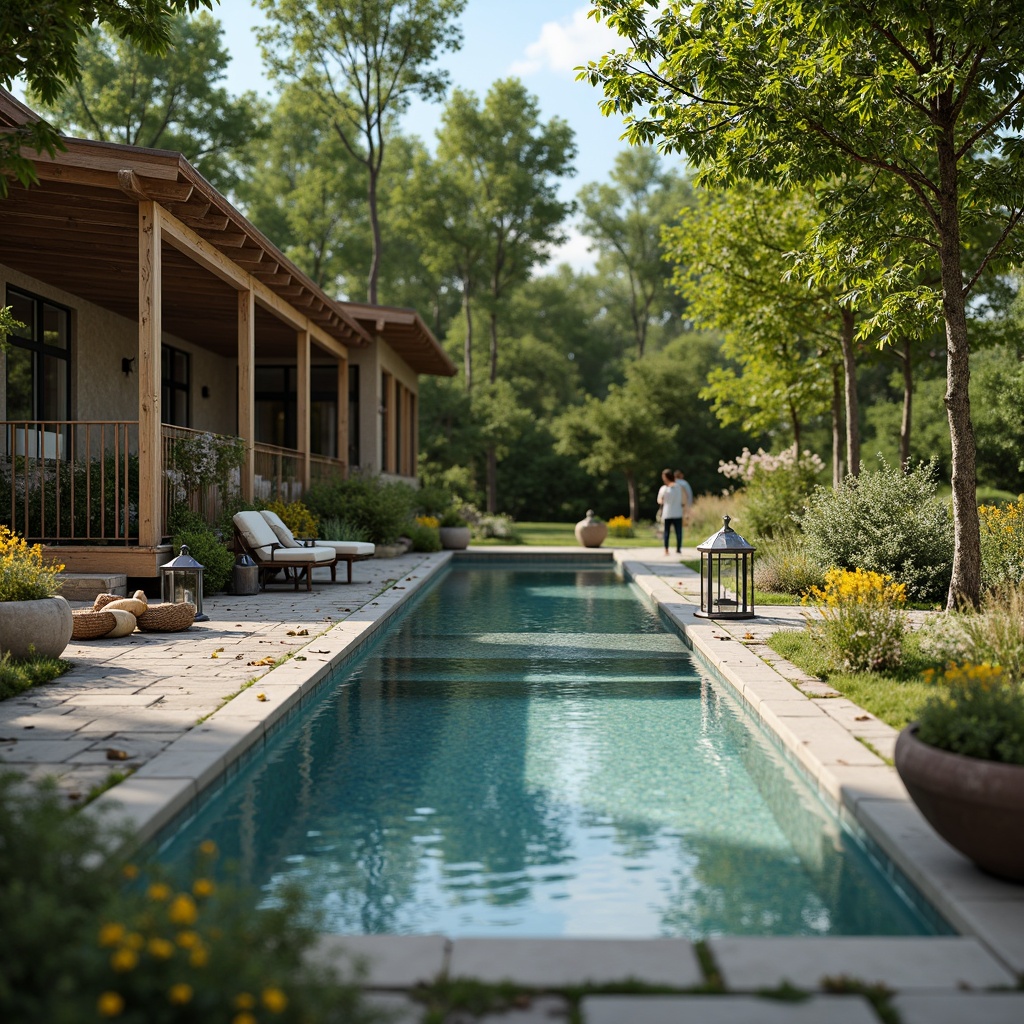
(534, 753)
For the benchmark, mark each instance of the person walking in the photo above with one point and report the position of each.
(687, 497)
(670, 498)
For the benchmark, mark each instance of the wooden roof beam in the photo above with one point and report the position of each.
(135, 185)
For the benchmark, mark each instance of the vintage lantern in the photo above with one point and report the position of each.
(726, 575)
(181, 579)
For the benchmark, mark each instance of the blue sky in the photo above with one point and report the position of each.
(540, 41)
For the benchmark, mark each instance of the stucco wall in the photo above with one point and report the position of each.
(100, 339)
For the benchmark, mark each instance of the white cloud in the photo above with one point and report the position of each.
(575, 251)
(564, 45)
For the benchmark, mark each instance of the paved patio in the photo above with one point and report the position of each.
(178, 710)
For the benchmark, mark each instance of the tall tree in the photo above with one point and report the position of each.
(623, 219)
(161, 101)
(360, 64)
(929, 97)
(40, 46)
(790, 339)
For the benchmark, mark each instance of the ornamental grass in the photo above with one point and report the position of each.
(860, 620)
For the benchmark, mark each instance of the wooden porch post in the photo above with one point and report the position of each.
(246, 387)
(342, 424)
(303, 407)
(150, 335)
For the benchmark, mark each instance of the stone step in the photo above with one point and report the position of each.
(85, 586)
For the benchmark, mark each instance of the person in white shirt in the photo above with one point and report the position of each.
(687, 497)
(670, 498)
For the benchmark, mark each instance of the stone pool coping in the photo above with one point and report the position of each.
(930, 976)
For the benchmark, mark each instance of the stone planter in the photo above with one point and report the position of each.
(40, 627)
(591, 532)
(976, 806)
(455, 538)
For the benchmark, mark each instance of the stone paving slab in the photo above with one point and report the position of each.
(725, 1010)
(960, 1008)
(750, 964)
(568, 962)
(391, 961)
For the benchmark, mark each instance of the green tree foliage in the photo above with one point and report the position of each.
(927, 98)
(624, 219)
(40, 46)
(171, 100)
(359, 65)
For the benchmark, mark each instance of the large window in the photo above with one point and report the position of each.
(175, 386)
(277, 408)
(38, 359)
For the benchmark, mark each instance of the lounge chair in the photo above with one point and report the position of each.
(254, 536)
(348, 551)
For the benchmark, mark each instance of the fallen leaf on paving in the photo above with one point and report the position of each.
(268, 660)
(748, 636)
(113, 754)
(319, 652)
(300, 657)
(261, 696)
(863, 718)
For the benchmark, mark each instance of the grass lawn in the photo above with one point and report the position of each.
(563, 534)
(17, 675)
(894, 697)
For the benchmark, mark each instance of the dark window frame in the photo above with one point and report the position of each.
(39, 349)
(169, 384)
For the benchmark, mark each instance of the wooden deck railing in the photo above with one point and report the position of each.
(77, 481)
(70, 481)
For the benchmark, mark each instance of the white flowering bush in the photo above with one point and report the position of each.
(776, 486)
(202, 460)
(886, 521)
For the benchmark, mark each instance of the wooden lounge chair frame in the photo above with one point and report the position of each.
(294, 569)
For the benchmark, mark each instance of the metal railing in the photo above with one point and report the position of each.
(67, 481)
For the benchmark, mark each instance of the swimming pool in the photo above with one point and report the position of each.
(533, 752)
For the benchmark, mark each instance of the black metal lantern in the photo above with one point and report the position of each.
(181, 579)
(726, 575)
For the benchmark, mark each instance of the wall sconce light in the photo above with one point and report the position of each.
(128, 365)
(205, 392)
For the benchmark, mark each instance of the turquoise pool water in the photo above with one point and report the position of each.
(534, 753)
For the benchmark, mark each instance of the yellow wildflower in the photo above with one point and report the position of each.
(109, 1004)
(243, 1018)
(124, 960)
(198, 957)
(187, 939)
(245, 1001)
(130, 871)
(111, 934)
(159, 891)
(180, 994)
(274, 1000)
(208, 848)
(160, 948)
(183, 909)
(202, 887)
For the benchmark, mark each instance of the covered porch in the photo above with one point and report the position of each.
(153, 309)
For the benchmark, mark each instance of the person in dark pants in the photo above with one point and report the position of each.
(670, 498)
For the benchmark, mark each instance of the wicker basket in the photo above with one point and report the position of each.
(167, 618)
(90, 625)
(102, 600)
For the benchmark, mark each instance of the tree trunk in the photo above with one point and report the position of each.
(965, 585)
(850, 382)
(494, 346)
(492, 481)
(908, 397)
(794, 421)
(467, 351)
(371, 284)
(837, 430)
(634, 509)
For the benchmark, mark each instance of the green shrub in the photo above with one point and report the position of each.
(209, 551)
(783, 566)
(775, 486)
(380, 509)
(977, 711)
(81, 944)
(888, 522)
(452, 517)
(861, 620)
(1002, 543)
(424, 538)
(342, 529)
(433, 500)
(708, 511)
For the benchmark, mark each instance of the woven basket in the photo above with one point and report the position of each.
(167, 618)
(90, 625)
(102, 600)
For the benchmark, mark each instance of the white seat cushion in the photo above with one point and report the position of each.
(315, 556)
(283, 534)
(257, 533)
(348, 547)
